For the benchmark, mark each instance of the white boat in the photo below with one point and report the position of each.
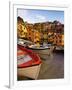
(42, 51)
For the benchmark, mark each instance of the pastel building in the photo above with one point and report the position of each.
(21, 28)
(58, 39)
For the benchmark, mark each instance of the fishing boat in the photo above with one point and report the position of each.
(42, 51)
(28, 63)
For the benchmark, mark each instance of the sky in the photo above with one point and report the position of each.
(35, 16)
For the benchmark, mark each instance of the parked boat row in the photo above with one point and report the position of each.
(41, 50)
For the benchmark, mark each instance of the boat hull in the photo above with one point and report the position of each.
(31, 72)
(44, 53)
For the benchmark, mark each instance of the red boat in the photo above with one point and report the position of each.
(28, 63)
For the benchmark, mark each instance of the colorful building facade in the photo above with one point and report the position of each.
(21, 28)
(46, 33)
